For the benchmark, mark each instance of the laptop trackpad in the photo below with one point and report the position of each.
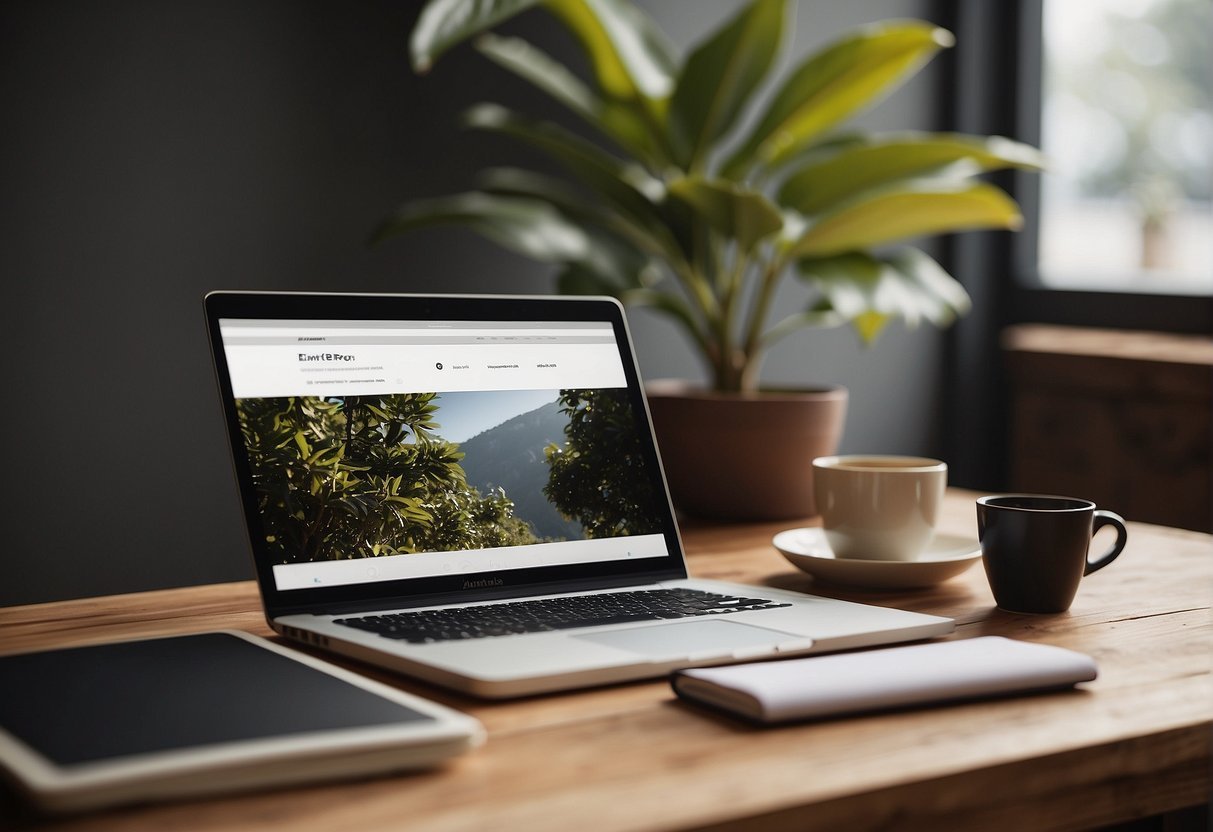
(688, 638)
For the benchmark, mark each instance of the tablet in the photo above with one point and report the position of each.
(223, 711)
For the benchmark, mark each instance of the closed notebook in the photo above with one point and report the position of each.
(896, 677)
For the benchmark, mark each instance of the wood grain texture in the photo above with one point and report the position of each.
(1133, 743)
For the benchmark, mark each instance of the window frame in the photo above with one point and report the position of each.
(991, 85)
(1113, 308)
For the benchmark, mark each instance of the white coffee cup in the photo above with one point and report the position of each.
(879, 507)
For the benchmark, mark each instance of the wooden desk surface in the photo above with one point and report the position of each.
(1135, 742)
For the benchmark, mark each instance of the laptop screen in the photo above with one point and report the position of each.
(388, 450)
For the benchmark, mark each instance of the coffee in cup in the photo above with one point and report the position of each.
(1035, 548)
(878, 507)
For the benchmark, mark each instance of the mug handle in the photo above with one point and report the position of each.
(1107, 518)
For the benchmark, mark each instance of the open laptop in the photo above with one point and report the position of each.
(467, 490)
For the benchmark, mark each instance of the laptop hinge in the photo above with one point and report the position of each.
(471, 596)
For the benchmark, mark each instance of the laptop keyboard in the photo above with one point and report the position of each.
(561, 613)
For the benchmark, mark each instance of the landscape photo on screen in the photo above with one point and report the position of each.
(340, 478)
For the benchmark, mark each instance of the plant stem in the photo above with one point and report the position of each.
(732, 360)
(753, 340)
(710, 268)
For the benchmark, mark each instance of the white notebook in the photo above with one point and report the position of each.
(894, 677)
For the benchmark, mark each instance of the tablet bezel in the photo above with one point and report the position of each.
(246, 764)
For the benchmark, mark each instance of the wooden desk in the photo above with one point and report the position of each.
(1134, 743)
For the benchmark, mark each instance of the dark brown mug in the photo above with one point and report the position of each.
(1035, 548)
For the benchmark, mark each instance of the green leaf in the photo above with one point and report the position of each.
(870, 291)
(941, 297)
(571, 202)
(610, 255)
(537, 67)
(738, 213)
(611, 268)
(629, 267)
(823, 182)
(617, 265)
(908, 209)
(631, 60)
(719, 78)
(833, 85)
(326, 456)
(529, 227)
(301, 442)
(617, 122)
(847, 283)
(409, 502)
(532, 185)
(629, 55)
(629, 189)
(446, 23)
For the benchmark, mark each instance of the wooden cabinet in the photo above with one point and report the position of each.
(1121, 418)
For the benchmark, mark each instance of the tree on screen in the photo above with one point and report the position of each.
(599, 477)
(360, 476)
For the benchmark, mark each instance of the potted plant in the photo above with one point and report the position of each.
(686, 207)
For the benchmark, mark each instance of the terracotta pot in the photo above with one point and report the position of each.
(734, 456)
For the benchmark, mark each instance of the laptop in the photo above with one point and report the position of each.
(467, 490)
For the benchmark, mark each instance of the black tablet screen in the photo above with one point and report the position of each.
(85, 704)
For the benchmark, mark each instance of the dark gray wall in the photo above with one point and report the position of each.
(150, 152)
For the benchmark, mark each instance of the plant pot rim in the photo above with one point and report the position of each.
(682, 388)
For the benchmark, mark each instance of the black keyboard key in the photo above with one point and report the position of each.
(543, 614)
(598, 622)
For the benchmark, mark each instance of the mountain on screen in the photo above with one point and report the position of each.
(510, 456)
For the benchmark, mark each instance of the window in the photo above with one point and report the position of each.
(1126, 118)
(1004, 77)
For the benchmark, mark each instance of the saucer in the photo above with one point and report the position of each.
(946, 556)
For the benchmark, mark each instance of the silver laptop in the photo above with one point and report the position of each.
(467, 490)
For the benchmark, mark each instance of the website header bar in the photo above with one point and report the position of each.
(311, 358)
